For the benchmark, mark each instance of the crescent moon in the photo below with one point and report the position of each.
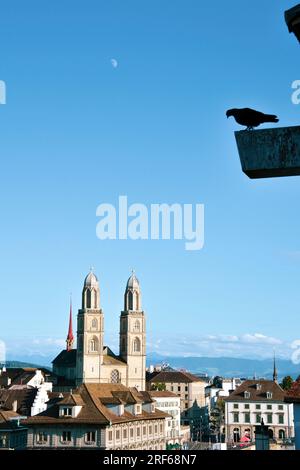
(114, 63)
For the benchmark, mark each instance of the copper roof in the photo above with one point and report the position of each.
(257, 393)
(66, 358)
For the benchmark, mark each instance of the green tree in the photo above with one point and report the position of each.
(160, 387)
(287, 382)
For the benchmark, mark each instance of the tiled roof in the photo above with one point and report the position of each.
(257, 394)
(24, 398)
(173, 377)
(163, 394)
(293, 394)
(72, 399)
(94, 397)
(7, 419)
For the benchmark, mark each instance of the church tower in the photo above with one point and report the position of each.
(90, 329)
(133, 335)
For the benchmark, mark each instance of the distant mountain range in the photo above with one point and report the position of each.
(228, 366)
(224, 366)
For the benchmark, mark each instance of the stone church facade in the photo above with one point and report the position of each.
(92, 361)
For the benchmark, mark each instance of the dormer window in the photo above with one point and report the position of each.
(246, 394)
(66, 411)
(138, 409)
(258, 386)
(152, 408)
(269, 395)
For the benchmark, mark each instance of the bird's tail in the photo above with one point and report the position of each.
(270, 118)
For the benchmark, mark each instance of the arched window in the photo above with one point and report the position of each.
(136, 345)
(130, 301)
(93, 346)
(94, 323)
(88, 299)
(236, 435)
(115, 376)
(281, 434)
(123, 345)
(137, 326)
(135, 301)
(95, 299)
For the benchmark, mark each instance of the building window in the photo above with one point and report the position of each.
(155, 429)
(66, 436)
(150, 430)
(88, 299)
(269, 395)
(235, 406)
(138, 432)
(269, 419)
(131, 433)
(258, 418)
(67, 411)
(93, 345)
(90, 436)
(144, 430)
(280, 407)
(281, 434)
(247, 417)
(247, 406)
(136, 345)
(115, 377)
(269, 407)
(236, 417)
(178, 388)
(280, 419)
(110, 435)
(186, 397)
(124, 433)
(94, 323)
(136, 326)
(186, 406)
(257, 407)
(186, 388)
(118, 435)
(161, 428)
(42, 438)
(246, 394)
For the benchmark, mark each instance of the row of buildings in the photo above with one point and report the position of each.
(94, 398)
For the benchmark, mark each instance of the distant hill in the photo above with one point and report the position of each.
(20, 364)
(228, 366)
(224, 366)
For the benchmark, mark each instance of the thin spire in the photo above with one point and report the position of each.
(70, 337)
(275, 375)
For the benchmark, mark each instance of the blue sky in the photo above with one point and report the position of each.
(77, 132)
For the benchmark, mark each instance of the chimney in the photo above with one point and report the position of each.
(15, 405)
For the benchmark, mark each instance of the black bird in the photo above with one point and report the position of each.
(250, 118)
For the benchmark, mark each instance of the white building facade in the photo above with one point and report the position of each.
(252, 402)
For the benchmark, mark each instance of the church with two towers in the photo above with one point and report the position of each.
(93, 361)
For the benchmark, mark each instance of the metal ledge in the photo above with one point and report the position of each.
(268, 153)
